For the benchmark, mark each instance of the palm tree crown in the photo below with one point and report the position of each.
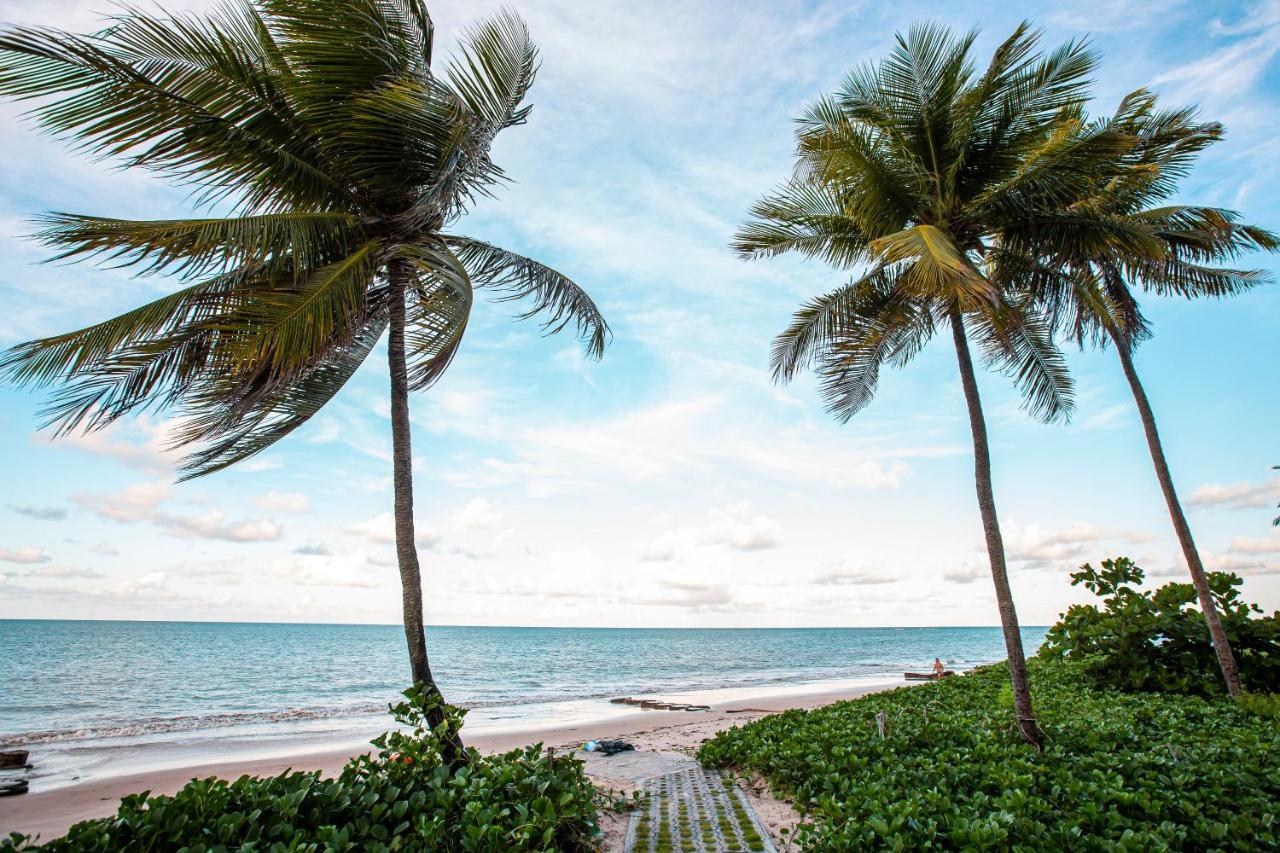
(1139, 240)
(914, 172)
(344, 157)
(1136, 237)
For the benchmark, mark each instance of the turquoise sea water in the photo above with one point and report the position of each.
(79, 690)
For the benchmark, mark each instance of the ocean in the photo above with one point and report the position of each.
(98, 698)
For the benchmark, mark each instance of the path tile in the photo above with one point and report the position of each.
(694, 811)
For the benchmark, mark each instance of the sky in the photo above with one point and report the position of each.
(671, 484)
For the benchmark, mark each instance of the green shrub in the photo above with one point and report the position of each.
(1262, 704)
(1144, 640)
(1119, 771)
(402, 798)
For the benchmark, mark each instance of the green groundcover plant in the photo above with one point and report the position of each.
(1119, 771)
(1157, 640)
(402, 797)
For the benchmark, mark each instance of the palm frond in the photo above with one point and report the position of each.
(64, 357)
(291, 323)
(885, 327)
(1020, 344)
(193, 248)
(494, 70)
(439, 309)
(236, 427)
(937, 267)
(553, 295)
(112, 99)
(805, 218)
(878, 193)
(819, 323)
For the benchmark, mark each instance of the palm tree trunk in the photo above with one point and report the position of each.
(1221, 645)
(995, 542)
(402, 483)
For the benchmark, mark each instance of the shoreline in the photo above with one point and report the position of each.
(51, 813)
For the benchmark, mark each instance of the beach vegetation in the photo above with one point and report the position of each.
(1157, 640)
(344, 156)
(1118, 770)
(1262, 704)
(403, 796)
(913, 176)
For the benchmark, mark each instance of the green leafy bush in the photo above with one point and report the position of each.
(404, 797)
(1120, 771)
(1143, 640)
(1262, 704)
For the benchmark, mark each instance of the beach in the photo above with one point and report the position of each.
(50, 813)
(123, 707)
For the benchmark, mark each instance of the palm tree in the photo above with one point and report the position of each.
(1144, 243)
(344, 159)
(910, 174)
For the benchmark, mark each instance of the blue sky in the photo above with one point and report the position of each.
(671, 484)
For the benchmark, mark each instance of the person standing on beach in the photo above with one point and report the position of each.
(938, 669)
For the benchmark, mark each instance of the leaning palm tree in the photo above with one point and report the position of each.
(1142, 243)
(343, 158)
(910, 174)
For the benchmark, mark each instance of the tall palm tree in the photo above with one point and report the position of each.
(910, 174)
(1144, 243)
(344, 159)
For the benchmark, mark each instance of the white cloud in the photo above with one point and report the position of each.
(314, 549)
(63, 572)
(1037, 547)
(105, 549)
(966, 574)
(141, 443)
(477, 514)
(274, 501)
(1235, 67)
(214, 525)
(41, 513)
(258, 464)
(693, 596)
(1246, 545)
(854, 577)
(26, 555)
(1247, 564)
(141, 502)
(736, 528)
(1243, 495)
(136, 502)
(687, 437)
(297, 574)
(381, 529)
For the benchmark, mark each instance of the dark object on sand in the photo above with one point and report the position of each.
(14, 758)
(658, 704)
(926, 676)
(13, 788)
(612, 747)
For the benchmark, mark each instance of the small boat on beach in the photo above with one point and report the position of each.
(926, 676)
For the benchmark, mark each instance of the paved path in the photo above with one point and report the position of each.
(692, 811)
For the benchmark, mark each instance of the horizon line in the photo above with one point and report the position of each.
(526, 627)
